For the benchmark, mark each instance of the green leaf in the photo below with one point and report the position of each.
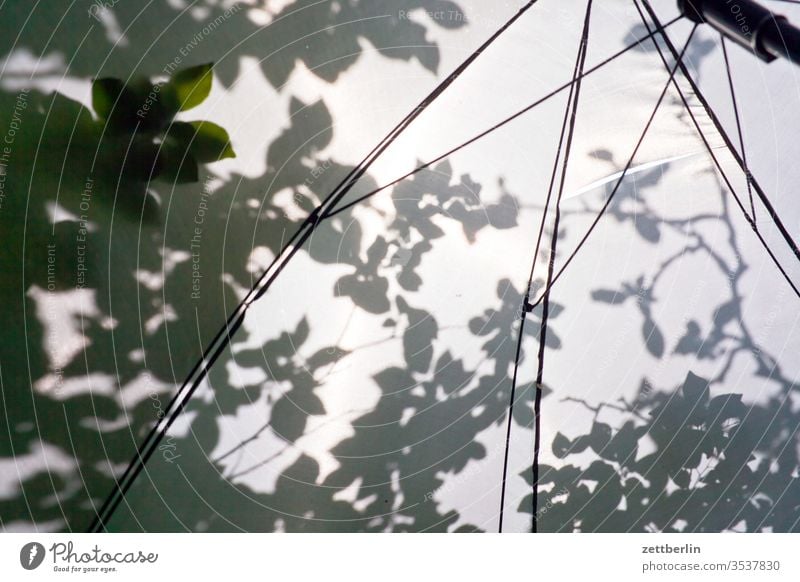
(180, 134)
(192, 86)
(156, 104)
(105, 95)
(138, 105)
(142, 160)
(176, 165)
(211, 142)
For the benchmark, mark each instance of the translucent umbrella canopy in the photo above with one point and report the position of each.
(561, 297)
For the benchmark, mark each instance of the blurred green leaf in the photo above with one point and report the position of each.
(105, 95)
(191, 86)
(210, 143)
(176, 164)
(156, 104)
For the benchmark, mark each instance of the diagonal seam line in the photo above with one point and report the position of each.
(577, 74)
(721, 130)
(636, 43)
(733, 152)
(624, 173)
(224, 336)
(355, 175)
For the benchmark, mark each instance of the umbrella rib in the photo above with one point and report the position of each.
(739, 131)
(762, 196)
(546, 298)
(567, 127)
(622, 176)
(224, 337)
(721, 130)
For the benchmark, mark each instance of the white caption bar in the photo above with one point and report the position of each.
(372, 557)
